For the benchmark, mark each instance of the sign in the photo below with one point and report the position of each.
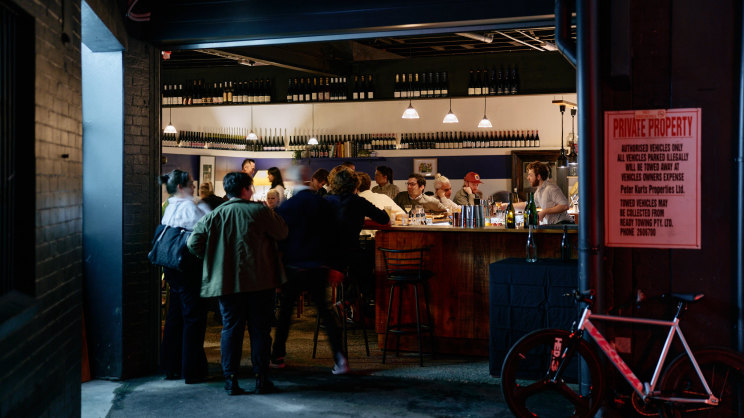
(652, 178)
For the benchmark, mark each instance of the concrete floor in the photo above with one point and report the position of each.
(448, 386)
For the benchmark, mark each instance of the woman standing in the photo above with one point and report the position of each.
(277, 184)
(182, 350)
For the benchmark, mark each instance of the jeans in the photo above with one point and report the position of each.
(315, 281)
(182, 349)
(257, 310)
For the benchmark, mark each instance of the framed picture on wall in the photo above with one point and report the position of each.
(425, 166)
(206, 170)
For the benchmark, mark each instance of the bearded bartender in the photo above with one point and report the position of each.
(548, 196)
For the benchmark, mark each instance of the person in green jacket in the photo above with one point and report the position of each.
(238, 242)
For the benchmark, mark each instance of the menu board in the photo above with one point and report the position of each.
(652, 178)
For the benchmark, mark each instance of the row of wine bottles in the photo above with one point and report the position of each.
(493, 82)
(355, 144)
(431, 84)
(504, 80)
(316, 89)
(197, 92)
(473, 139)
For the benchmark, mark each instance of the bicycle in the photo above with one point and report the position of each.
(553, 372)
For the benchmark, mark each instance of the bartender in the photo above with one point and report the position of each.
(548, 196)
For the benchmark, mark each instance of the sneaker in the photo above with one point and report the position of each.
(277, 363)
(341, 365)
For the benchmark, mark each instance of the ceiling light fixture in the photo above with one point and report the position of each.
(562, 160)
(483, 38)
(313, 140)
(170, 129)
(573, 156)
(410, 112)
(252, 135)
(450, 117)
(485, 123)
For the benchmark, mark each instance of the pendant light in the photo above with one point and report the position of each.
(170, 129)
(410, 112)
(313, 140)
(562, 160)
(485, 123)
(252, 135)
(573, 156)
(450, 117)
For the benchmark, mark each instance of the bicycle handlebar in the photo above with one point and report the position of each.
(586, 296)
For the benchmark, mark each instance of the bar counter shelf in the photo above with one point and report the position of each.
(459, 290)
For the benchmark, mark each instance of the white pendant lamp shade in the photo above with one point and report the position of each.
(450, 117)
(252, 135)
(485, 123)
(170, 129)
(410, 112)
(312, 141)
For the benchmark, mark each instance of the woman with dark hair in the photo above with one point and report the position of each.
(384, 180)
(277, 184)
(349, 211)
(182, 350)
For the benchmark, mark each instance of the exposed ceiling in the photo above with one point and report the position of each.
(334, 57)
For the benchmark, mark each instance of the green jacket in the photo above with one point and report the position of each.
(238, 242)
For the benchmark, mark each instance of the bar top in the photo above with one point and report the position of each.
(542, 229)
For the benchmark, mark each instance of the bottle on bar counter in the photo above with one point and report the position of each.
(530, 212)
(531, 247)
(510, 215)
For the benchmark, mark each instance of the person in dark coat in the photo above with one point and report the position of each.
(305, 253)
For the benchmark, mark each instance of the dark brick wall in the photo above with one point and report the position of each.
(141, 299)
(40, 363)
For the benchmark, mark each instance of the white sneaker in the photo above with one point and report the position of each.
(341, 366)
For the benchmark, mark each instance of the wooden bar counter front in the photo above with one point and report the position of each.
(458, 292)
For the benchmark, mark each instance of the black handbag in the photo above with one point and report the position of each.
(169, 247)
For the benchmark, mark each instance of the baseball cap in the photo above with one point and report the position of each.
(473, 177)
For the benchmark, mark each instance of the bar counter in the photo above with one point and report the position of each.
(458, 292)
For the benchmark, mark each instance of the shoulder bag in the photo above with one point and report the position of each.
(169, 247)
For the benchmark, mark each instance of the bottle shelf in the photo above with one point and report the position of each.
(381, 154)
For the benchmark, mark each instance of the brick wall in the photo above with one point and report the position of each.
(141, 299)
(40, 364)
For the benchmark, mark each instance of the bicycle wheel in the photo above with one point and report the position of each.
(529, 391)
(723, 370)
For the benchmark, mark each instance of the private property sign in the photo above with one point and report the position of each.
(652, 178)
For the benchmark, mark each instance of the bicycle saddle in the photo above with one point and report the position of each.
(685, 297)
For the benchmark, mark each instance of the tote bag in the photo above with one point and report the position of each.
(169, 247)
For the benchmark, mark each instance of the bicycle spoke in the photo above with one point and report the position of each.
(521, 393)
(581, 403)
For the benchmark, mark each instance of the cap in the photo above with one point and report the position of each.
(473, 177)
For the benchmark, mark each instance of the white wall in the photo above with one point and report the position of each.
(520, 112)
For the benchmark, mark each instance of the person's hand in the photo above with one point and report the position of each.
(440, 193)
(540, 216)
(468, 190)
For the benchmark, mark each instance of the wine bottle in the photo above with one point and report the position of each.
(531, 247)
(445, 86)
(370, 88)
(396, 88)
(355, 92)
(510, 215)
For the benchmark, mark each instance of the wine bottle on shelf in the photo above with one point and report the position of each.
(396, 86)
(471, 84)
(514, 81)
(370, 88)
(429, 84)
(510, 215)
(445, 85)
(417, 84)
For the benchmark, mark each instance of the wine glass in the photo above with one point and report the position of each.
(407, 208)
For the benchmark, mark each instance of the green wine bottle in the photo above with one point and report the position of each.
(510, 215)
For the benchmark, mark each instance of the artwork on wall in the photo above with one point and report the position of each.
(206, 169)
(425, 166)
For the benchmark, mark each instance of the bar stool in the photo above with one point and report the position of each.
(343, 308)
(405, 268)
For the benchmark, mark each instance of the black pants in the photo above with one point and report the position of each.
(182, 349)
(314, 281)
(257, 309)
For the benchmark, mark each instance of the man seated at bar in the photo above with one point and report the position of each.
(548, 196)
(384, 180)
(382, 201)
(469, 191)
(415, 195)
(443, 192)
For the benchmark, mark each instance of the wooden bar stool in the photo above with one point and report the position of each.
(405, 268)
